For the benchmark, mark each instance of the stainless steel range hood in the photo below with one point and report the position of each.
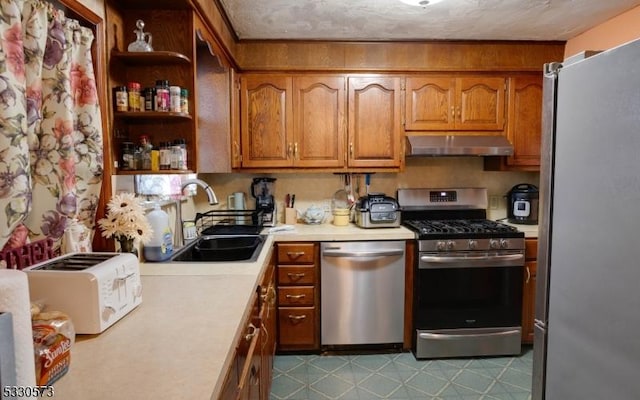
(458, 145)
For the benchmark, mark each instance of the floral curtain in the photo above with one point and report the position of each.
(50, 124)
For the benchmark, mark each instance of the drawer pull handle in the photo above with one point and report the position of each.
(295, 296)
(295, 276)
(295, 254)
(528, 275)
(252, 332)
(297, 317)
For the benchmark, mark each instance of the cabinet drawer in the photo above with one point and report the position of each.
(296, 296)
(296, 253)
(298, 275)
(296, 326)
(531, 249)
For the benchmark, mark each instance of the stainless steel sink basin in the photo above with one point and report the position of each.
(221, 248)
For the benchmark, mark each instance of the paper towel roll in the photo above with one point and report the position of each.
(14, 298)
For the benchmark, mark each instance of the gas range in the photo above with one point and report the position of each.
(457, 216)
(468, 273)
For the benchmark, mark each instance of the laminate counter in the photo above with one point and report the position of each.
(179, 342)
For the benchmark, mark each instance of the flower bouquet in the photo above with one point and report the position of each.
(125, 221)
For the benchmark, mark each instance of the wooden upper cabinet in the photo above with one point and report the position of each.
(375, 130)
(266, 120)
(524, 120)
(319, 126)
(442, 103)
(429, 103)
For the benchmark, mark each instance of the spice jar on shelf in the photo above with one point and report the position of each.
(134, 96)
(121, 99)
(174, 98)
(184, 101)
(162, 95)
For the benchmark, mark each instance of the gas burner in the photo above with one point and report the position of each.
(475, 226)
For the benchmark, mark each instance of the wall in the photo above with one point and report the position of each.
(97, 6)
(618, 30)
(318, 188)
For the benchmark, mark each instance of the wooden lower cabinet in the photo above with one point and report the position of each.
(251, 370)
(529, 290)
(298, 296)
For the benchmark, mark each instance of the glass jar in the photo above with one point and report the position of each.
(165, 156)
(121, 99)
(184, 101)
(127, 151)
(182, 145)
(145, 149)
(134, 96)
(162, 95)
(150, 99)
(174, 98)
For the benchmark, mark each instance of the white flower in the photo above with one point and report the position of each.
(125, 218)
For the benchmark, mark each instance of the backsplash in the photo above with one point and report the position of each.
(318, 188)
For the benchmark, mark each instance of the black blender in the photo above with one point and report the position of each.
(262, 190)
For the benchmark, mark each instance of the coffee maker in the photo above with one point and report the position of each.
(262, 190)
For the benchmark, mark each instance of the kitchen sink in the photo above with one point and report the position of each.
(221, 248)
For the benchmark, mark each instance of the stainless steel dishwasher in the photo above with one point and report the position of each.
(362, 292)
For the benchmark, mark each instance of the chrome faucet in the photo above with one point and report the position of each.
(213, 200)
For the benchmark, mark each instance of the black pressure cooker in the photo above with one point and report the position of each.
(523, 204)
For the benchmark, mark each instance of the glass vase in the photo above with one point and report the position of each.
(127, 245)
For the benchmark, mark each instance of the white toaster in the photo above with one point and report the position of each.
(94, 289)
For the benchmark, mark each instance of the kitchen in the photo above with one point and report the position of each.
(418, 172)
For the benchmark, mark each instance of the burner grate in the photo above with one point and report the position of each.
(472, 226)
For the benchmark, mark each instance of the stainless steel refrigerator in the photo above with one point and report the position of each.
(587, 328)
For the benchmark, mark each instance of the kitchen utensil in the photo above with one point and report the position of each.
(523, 204)
(106, 287)
(376, 210)
(262, 189)
(313, 215)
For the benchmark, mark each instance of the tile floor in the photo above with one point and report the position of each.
(401, 376)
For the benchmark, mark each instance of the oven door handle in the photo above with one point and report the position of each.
(453, 336)
(471, 261)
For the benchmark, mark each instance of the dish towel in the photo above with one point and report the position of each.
(14, 298)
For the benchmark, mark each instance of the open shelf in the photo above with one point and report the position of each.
(150, 58)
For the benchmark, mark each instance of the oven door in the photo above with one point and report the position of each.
(468, 304)
(469, 290)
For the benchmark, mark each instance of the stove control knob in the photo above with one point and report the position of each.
(494, 244)
(450, 244)
(441, 246)
(504, 244)
(473, 244)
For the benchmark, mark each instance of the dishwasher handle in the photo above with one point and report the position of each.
(336, 252)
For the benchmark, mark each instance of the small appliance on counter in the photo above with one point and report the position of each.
(94, 289)
(523, 204)
(262, 190)
(376, 210)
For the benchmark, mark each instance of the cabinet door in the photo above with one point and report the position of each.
(375, 131)
(298, 329)
(524, 120)
(480, 103)
(268, 331)
(266, 121)
(319, 128)
(429, 103)
(529, 290)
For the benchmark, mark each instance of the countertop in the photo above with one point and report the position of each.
(178, 343)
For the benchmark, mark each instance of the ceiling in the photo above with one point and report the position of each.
(385, 20)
